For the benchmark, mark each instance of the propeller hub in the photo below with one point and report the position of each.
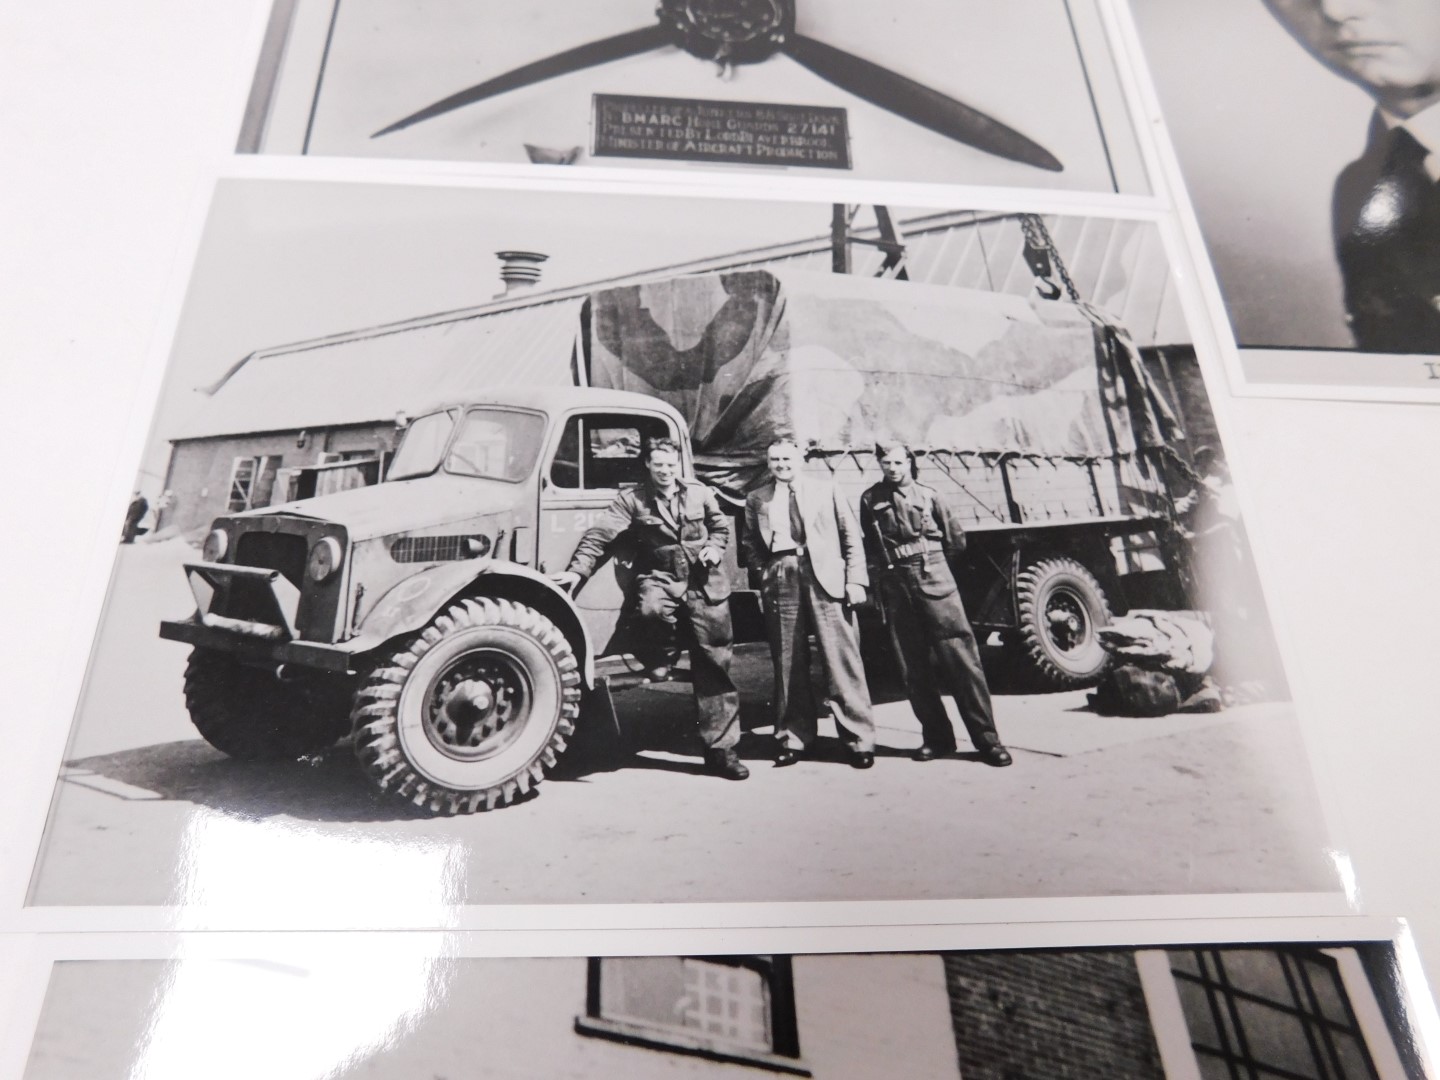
(729, 31)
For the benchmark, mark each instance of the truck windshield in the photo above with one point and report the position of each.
(420, 450)
(496, 444)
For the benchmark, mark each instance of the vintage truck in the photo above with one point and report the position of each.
(417, 613)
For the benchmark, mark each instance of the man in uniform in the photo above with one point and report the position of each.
(678, 533)
(908, 533)
(801, 533)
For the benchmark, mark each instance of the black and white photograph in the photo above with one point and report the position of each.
(503, 547)
(1306, 133)
(937, 91)
(1274, 1011)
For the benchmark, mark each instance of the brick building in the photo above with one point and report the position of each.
(1200, 1013)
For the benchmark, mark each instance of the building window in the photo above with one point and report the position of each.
(252, 482)
(728, 1008)
(1257, 1014)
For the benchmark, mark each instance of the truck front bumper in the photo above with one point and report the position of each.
(251, 648)
(270, 640)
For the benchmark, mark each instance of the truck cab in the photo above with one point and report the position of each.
(416, 613)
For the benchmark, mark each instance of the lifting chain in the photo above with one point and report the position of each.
(1043, 258)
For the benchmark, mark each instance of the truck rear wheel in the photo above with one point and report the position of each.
(1061, 606)
(251, 715)
(470, 713)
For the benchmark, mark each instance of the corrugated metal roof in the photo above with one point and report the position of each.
(361, 378)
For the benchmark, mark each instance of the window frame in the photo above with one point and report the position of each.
(585, 420)
(779, 980)
(258, 465)
(1300, 1002)
(1171, 1026)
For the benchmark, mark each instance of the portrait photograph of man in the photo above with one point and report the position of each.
(1307, 132)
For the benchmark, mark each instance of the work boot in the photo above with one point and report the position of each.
(725, 763)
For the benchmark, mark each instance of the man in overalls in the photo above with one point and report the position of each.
(908, 533)
(679, 535)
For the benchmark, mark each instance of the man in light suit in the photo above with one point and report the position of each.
(1387, 202)
(802, 534)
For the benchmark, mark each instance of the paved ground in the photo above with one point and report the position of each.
(146, 813)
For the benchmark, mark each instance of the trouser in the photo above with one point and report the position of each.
(796, 606)
(704, 628)
(918, 624)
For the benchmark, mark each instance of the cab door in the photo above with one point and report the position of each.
(596, 456)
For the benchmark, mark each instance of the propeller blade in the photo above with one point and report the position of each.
(917, 103)
(597, 52)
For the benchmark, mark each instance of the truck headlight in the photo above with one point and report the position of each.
(216, 545)
(324, 559)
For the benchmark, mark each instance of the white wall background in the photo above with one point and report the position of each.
(857, 1017)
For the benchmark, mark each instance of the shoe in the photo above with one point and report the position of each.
(726, 764)
(930, 753)
(997, 756)
(861, 759)
(786, 756)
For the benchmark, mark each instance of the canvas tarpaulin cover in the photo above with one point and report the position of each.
(840, 363)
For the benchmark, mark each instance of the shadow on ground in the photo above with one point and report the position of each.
(330, 786)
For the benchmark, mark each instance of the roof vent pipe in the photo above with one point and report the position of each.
(520, 271)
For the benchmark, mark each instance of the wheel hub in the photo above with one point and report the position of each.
(474, 706)
(1069, 627)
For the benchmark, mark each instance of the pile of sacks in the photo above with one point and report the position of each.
(1162, 665)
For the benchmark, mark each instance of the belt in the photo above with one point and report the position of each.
(798, 550)
(913, 548)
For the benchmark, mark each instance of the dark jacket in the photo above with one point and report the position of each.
(1387, 240)
(637, 522)
(921, 513)
(925, 585)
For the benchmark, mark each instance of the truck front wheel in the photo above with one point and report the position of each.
(1061, 606)
(472, 711)
(250, 714)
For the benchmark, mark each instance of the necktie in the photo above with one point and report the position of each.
(797, 523)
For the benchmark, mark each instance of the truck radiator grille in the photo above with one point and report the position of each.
(250, 600)
(438, 548)
(274, 551)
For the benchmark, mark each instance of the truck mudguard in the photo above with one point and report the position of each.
(411, 604)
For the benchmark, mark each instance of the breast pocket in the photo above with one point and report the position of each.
(692, 528)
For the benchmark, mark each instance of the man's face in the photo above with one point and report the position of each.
(664, 466)
(895, 464)
(783, 461)
(1390, 47)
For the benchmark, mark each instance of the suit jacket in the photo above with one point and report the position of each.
(832, 535)
(638, 521)
(1387, 241)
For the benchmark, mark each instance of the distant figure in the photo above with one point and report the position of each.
(139, 507)
(1387, 203)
